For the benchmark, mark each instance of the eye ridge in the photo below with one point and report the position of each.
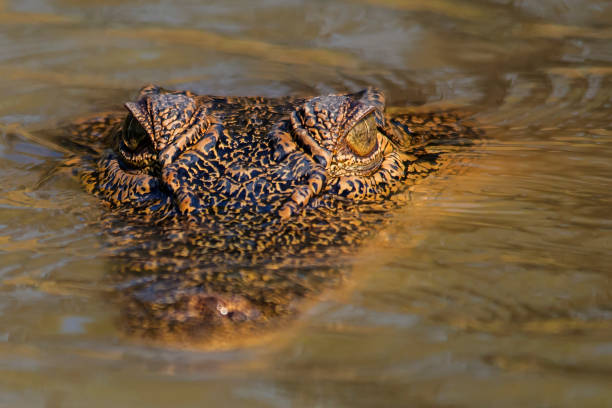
(361, 139)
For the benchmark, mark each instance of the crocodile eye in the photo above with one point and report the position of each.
(361, 139)
(133, 133)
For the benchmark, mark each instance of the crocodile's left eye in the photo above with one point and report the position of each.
(361, 139)
(133, 133)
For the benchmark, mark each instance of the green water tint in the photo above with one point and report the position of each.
(489, 288)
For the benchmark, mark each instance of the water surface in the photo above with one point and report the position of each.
(490, 288)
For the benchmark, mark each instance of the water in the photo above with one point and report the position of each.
(490, 288)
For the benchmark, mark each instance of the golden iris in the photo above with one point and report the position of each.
(361, 139)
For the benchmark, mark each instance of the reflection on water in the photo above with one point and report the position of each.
(492, 285)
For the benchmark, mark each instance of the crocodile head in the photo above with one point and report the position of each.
(246, 193)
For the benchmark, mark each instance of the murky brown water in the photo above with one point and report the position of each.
(492, 288)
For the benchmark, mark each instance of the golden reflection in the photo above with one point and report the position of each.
(582, 71)
(51, 287)
(32, 18)
(558, 31)
(444, 7)
(258, 49)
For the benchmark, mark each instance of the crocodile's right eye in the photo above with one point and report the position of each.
(133, 133)
(361, 139)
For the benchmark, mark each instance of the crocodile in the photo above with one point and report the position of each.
(226, 213)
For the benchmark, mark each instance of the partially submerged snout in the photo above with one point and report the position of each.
(189, 315)
(217, 309)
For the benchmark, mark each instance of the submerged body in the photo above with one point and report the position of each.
(229, 208)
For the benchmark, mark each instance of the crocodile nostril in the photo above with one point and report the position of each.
(237, 316)
(221, 308)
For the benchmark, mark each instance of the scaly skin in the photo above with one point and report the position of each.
(231, 210)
